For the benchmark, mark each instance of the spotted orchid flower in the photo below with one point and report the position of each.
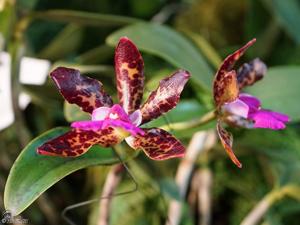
(112, 123)
(240, 109)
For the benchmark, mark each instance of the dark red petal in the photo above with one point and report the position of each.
(251, 72)
(158, 144)
(84, 91)
(129, 66)
(76, 142)
(165, 97)
(221, 83)
(226, 140)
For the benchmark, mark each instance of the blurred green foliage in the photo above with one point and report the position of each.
(188, 34)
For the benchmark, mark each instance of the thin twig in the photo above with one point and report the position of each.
(112, 181)
(200, 142)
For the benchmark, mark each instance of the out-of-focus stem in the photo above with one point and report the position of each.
(200, 142)
(191, 123)
(271, 198)
(112, 181)
(17, 51)
(205, 181)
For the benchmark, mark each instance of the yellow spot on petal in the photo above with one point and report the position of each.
(131, 71)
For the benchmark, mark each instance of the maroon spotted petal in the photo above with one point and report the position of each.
(251, 72)
(76, 142)
(227, 140)
(84, 91)
(158, 144)
(165, 97)
(129, 66)
(219, 88)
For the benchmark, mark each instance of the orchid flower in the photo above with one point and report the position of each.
(112, 123)
(240, 109)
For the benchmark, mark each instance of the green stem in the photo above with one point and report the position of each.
(208, 117)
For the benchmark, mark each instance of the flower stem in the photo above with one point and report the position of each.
(206, 118)
(200, 142)
(270, 199)
(112, 181)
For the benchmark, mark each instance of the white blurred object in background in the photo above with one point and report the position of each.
(6, 111)
(32, 71)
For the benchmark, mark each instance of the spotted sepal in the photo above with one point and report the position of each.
(251, 72)
(157, 144)
(129, 67)
(165, 97)
(84, 91)
(226, 89)
(225, 68)
(76, 142)
(227, 140)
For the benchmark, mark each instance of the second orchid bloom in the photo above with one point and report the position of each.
(111, 123)
(240, 109)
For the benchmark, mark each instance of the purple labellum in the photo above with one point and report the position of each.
(252, 102)
(268, 119)
(237, 107)
(104, 117)
(249, 107)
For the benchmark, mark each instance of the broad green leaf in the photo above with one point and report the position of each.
(89, 69)
(169, 45)
(279, 90)
(63, 44)
(288, 15)
(85, 18)
(33, 174)
(73, 113)
(206, 48)
(96, 55)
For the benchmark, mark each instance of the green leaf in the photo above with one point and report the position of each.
(186, 110)
(63, 44)
(279, 90)
(73, 113)
(288, 15)
(32, 174)
(170, 45)
(85, 18)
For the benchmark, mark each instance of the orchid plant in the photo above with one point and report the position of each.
(240, 109)
(112, 123)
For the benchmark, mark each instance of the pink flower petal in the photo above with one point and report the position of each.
(237, 107)
(100, 113)
(131, 128)
(117, 112)
(88, 125)
(268, 119)
(136, 117)
(253, 102)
